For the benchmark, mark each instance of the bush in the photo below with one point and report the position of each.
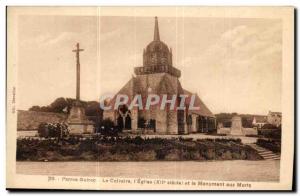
(43, 130)
(138, 140)
(53, 130)
(269, 126)
(247, 122)
(185, 139)
(273, 145)
(107, 127)
(270, 133)
(161, 153)
(108, 148)
(225, 140)
(87, 145)
(251, 135)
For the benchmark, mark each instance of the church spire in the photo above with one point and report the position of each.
(156, 30)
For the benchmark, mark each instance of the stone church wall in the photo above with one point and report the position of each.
(109, 114)
(172, 127)
(161, 121)
(194, 124)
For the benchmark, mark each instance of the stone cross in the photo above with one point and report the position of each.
(77, 50)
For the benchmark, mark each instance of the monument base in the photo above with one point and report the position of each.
(237, 132)
(77, 121)
(78, 129)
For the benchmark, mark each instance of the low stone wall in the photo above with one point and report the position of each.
(224, 130)
(250, 131)
(30, 120)
(245, 131)
(28, 133)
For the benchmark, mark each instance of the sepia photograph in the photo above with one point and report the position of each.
(150, 98)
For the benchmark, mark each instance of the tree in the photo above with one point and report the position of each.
(247, 122)
(224, 118)
(45, 109)
(58, 105)
(43, 130)
(64, 105)
(93, 109)
(35, 108)
(270, 126)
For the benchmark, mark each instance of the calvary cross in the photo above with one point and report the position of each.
(77, 50)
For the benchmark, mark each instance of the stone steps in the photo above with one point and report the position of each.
(266, 154)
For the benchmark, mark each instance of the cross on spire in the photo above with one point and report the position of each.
(77, 50)
(156, 30)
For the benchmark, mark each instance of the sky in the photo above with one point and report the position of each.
(233, 64)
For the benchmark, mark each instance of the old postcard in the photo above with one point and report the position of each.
(150, 98)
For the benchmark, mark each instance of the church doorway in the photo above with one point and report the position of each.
(127, 122)
(120, 123)
(189, 122)
(124, 118)
(180, 121)
(201, 124)
(180, 118)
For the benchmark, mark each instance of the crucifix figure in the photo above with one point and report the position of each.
(77, 50)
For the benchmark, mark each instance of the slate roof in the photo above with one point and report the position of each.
(203, 111)
(159, 83)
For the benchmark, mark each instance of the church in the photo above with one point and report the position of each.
(159, 76)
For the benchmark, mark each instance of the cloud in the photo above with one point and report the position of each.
(110, 35)
(244, 62)
(50, 40)
(63, 37)
(242, 45)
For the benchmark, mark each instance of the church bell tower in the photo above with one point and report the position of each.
(157, 57)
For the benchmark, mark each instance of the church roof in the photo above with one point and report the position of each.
(160, 83)
(203, 111)
(156, 30)
(157, 46)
